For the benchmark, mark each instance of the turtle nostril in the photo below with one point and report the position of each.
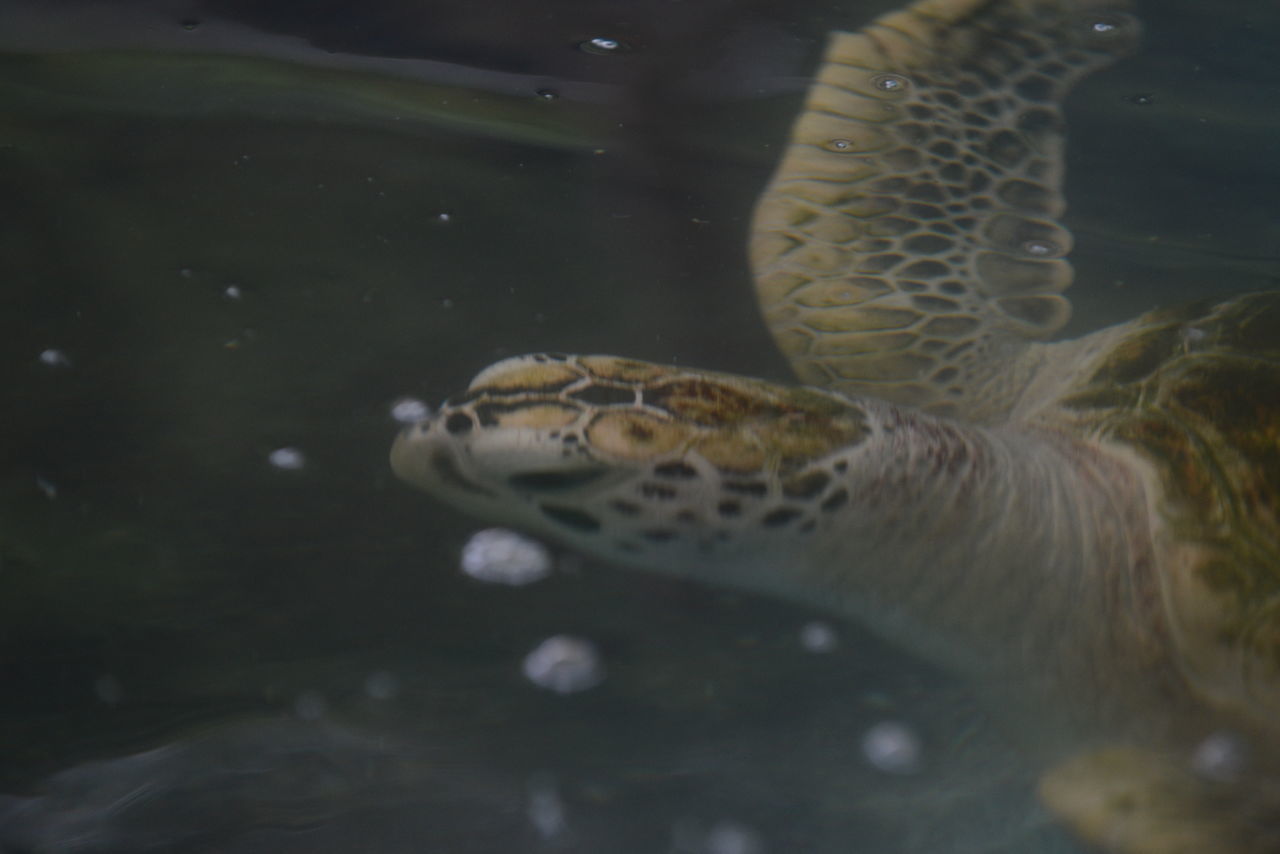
(458, 423)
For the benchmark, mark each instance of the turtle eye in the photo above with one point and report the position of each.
(458, 423)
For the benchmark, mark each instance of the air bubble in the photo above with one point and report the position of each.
(1114, 26)
(382, 685)
(233, 292)
(602, 46)
(840, 145)
(545, 809)
(54, 358)
(287, 459)
(890, 82)
(564, 664)
(410, 410)
(548, 94)
(818, 637)
(1040, 248)
(108, 689)
(310, 706)
(1220, 757)
(47, 487)
(892, 747)
(729, 837)
(499, 556)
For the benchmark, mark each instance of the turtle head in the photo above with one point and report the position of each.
(647, 464)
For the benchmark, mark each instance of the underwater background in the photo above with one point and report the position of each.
(231, 229)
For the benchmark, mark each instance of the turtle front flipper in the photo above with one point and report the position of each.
(1133, 801)
(909, 244)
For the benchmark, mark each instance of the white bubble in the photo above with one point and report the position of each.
(1220, 757)
(55, 358)
(108, 689)
(47, 487)
(289, 459)
(232, 292)
(382, 685)
(892, 747)
(444, 218)
(410, 410)
(603, 46)
(310, 706)
(564, 664)
(545, 809)
(499, 556)
(818, 637)
(890, 82)
(729, 837)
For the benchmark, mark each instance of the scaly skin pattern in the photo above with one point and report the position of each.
(910, 244)
(1039, 558)
(1088, 530)
(902, 520)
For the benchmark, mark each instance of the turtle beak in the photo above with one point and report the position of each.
(425, 456)
(463, 465)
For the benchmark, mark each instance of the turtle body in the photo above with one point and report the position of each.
(1087, 530)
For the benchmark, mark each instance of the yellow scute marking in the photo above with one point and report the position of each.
(624, 370)
(712, 402)
(525, 376)
(634, 435)
(733, 452)
(796, 441)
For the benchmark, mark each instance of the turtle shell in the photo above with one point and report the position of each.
(1195, 390)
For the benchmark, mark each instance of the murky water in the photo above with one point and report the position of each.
(235, 235)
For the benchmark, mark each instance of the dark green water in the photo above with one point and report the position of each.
(388, 231)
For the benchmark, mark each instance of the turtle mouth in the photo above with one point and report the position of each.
(556, 480)
(446, 468)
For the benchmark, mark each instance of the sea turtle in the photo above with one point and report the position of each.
(1086, 530)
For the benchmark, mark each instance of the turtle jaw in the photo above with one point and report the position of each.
(674, 511)
(494, 476)
(425, 457)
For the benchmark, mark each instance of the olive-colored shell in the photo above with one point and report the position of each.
(1196, 391)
